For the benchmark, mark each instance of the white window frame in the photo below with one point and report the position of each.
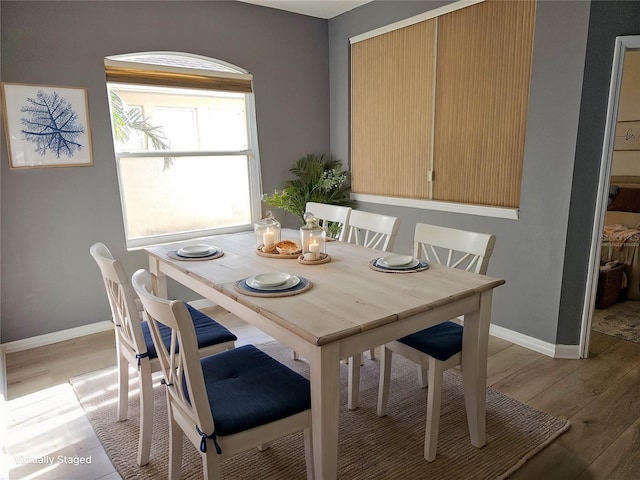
(251, 152)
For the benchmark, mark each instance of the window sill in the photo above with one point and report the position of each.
(479, 210)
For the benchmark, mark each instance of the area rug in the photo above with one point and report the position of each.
(369, 446)
(620, 320)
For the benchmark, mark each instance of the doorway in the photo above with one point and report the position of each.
(622, 46)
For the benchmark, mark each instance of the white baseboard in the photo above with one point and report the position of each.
(71, 333)
(540, 346)
(537, 345)
(55, 337)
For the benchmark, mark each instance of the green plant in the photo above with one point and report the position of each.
(126, 120)
(318, 179)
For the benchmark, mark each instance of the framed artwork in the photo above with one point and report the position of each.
(627, 136)
(46, 126)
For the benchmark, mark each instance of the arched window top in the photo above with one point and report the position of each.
(174, 69)
(179, 60)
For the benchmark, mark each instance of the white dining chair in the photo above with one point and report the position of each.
(223, 403)
(327, 215)
(438, 348)
(135, 348)
(371, 230)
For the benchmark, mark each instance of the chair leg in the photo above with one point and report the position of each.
(385, 378)
(294, 355)
(354, 382)
(146, 412)
(308, 453)
(372, 354)
(175, 446)
(123, 388)
(422, 376)
(263, 446)
(434, 400)
(211, 465)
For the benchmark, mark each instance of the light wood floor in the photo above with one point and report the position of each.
(600, 396)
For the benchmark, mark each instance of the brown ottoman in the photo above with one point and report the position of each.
(609, 285)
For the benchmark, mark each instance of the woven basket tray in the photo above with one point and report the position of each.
(276, 254)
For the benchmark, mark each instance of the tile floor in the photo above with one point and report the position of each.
(50, 438)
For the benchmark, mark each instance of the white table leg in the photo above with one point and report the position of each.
(353, 388)
(159, 279)
(325, 409)
(474, 368)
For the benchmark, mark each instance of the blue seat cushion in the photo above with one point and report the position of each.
(208, 332)
(441, 341)
(247, 388)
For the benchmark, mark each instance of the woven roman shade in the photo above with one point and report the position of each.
(438, 107)
(484, 71)
(392, 112)
(164, 75)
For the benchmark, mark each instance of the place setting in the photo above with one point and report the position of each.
(398, 264)
(196, 252)
(273, 284)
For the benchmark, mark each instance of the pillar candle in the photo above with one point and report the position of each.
(314, 248)
(268, 238)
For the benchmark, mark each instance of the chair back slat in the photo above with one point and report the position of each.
(372, 230)
(472, 261)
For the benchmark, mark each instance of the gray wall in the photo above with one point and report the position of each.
(607, 20)
(529, 252)
(51, 216)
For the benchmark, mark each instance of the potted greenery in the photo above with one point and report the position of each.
(127, 121)
(318, 179)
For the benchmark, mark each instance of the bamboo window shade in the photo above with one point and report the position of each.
(465, 118)
(392, 112)
(485, 63)
(166, 76)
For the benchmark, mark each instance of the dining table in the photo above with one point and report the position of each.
(348, 306)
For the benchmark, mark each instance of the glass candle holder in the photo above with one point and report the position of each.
(267, 232)
(313, 238)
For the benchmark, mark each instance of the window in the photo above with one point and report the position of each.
(439, 106)
(186, 146)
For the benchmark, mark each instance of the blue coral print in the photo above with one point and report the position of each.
(51, 124)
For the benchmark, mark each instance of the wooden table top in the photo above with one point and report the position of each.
(347, 297)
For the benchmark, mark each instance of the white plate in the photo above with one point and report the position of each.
(292, 282)
(412, 264)
(396, 261)
(197, 255)
(271, 279)
(199, 250)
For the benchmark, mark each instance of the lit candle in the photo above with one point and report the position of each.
(268, 238)
(314, 248)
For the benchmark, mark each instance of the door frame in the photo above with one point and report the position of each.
(622, 44)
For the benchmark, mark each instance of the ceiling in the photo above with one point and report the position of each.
(314, 8)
